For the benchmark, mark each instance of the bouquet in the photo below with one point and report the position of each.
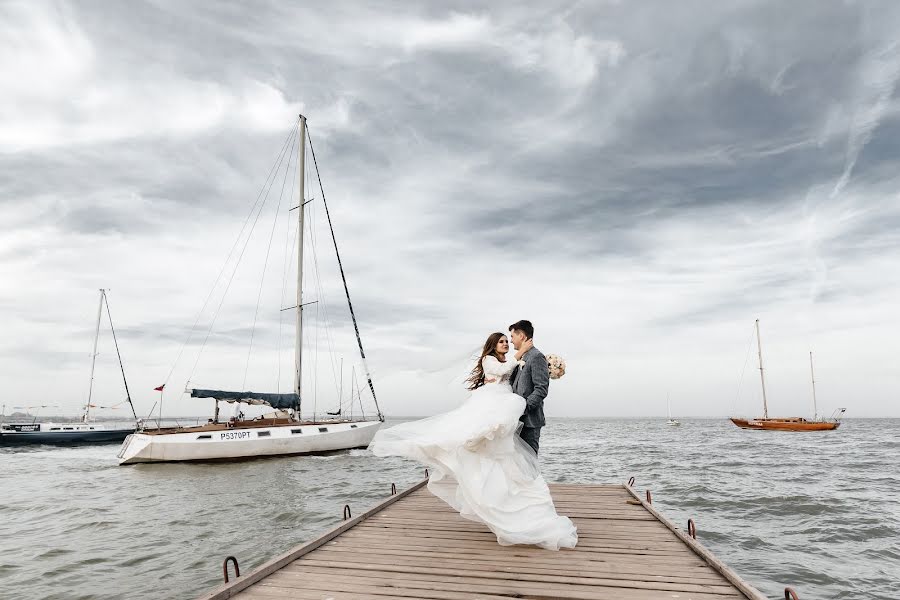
(557, 366)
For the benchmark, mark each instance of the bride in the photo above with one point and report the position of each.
(479, 465)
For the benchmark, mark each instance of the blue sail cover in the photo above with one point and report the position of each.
(273, 400)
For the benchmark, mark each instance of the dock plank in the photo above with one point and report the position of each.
(457, 572)
(576, 568)
(415, 546)
(301, 576)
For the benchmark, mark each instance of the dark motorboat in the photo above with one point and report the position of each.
(14, 434)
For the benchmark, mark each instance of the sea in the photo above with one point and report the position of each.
(819, 512)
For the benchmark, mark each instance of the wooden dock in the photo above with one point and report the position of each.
(414, 546)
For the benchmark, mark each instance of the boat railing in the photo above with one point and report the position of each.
(150, 424)
(837, 414)
(170, 422)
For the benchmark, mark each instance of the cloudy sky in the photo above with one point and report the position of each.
(641, 181)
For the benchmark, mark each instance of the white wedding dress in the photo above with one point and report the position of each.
(480, 466)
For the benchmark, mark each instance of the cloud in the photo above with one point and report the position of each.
(641, 182)
(878, 81)
(58, 94)
(457, 32)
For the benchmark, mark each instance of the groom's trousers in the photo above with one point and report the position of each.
(531, 436)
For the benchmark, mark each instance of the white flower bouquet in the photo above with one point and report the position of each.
(557, 366)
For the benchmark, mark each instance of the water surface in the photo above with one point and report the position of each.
(817, 511)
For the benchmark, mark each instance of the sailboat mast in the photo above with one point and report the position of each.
(87, 405)
(762, 378)
(812, 374)
(119, 354)
(301, 195)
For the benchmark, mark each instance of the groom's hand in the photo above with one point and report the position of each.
(523, 348)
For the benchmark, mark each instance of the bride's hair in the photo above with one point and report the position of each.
(476, 377)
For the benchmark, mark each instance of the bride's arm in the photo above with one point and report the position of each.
(494, 369)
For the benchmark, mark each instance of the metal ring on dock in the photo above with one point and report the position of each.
(630, 481)
(692, 529)
(393, 489)
(346, 511)
(237, 569)
(790, 594)
(649, 498)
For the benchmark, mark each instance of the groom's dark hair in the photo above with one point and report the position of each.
(524, 326)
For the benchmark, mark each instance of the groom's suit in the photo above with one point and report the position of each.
(532, 382)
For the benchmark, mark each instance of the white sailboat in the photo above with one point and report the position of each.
(282, 432)
(669, 420)
(87, 430)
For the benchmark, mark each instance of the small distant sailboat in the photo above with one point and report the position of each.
(87, 431)
(669, 420)
(788, 423)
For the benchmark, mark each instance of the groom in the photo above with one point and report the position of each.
(531, 381)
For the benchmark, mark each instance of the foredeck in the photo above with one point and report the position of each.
(252, 424)
(414, 546)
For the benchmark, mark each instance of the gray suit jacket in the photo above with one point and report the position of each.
(532, 382)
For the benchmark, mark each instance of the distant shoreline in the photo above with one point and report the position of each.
(75, 419)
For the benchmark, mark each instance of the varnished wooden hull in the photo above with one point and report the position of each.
(789, 424)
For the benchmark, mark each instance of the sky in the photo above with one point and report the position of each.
(641, 180)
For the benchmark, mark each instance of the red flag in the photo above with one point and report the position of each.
(160, 388)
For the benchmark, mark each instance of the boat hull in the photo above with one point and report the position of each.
(235, 443)
(64, 438)
(792, 424)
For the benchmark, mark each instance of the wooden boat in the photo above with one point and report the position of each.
(282, 432)
(787, 423)
(87, 430)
